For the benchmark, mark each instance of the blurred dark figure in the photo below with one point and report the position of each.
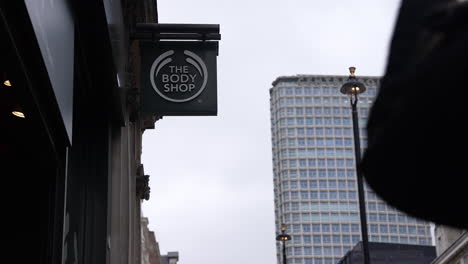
(417, 155)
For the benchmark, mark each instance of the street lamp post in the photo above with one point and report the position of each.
(352, 88)
(283, 237)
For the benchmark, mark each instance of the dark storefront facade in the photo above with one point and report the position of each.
(73, 178)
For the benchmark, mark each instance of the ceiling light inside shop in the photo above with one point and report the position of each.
(17, 111)
(18, 114)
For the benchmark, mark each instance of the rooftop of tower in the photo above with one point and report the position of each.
(318, 77)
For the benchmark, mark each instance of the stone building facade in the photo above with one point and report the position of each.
(452, 245)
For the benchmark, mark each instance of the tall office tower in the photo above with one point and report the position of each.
(315, 177)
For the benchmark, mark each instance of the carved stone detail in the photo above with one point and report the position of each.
(142, 184)
(149, 120)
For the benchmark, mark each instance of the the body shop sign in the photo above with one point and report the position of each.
(179, 77)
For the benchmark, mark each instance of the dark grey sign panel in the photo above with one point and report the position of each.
(55, 32)
(179, 78)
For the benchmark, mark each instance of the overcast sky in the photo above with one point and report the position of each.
(211, 177)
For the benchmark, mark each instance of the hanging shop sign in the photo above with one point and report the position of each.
(179, 77)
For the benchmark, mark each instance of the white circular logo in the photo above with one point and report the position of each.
(178, 78)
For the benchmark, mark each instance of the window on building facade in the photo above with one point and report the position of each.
(300, 121)
(317, 251)
(382, 217)
(346, 239)
(345, 228)
(402, 229)
(319, 121)
(342, 195)
(317, 239)
(313, 183)
(313, 195)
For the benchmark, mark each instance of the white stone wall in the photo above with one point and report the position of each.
(451, 246)
(445, 236)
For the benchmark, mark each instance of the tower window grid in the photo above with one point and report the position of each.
(289, 138)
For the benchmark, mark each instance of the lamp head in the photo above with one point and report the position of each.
(283, 237)
(352, 86)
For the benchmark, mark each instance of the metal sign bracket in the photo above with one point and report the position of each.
(157, 32)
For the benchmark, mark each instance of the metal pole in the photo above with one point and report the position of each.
(360, 182)
(284, 253)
